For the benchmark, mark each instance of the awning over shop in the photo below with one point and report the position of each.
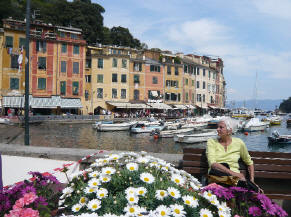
(41, 102)
(212, 107)
(128, 105)
(190, 106)
(159, 106)
(203, 107)
(180, 106)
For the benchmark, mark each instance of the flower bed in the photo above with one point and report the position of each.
(131, 184)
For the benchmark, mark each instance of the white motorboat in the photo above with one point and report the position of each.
(171, 133)
(4, 121)
(101, 122)
(142, 128)
(255, 124)
(114, 126)
(195, 138)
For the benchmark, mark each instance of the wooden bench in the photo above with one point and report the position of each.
(272, 170)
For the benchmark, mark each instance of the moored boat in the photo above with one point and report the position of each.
(255, 124)
(114, 126)
(195, 138)
(276, 138)
(171, 133)
(142, 128)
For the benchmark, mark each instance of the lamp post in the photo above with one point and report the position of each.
(26, 106)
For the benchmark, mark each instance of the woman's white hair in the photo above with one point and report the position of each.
(229, 123)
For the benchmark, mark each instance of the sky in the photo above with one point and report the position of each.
(253, 37)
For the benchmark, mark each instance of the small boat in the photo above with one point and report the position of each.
(195, 138)
(101, 122)
(115, 126)
(171, 133)
(143, 128)
(195, 125)
(255, 124)
(275, 120)
(276, 138)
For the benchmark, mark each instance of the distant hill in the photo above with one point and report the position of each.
(265, 104)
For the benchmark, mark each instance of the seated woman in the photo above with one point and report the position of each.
(223, 155)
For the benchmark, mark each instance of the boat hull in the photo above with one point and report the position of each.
(255, 128)
(113, 127)
(146, 129)
(194, 138)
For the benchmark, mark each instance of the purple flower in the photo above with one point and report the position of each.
(279, 211)
(222, 192)
(255, 211)
(239, 189)
(267, 204)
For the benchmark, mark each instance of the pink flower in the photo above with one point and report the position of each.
(214, 185)
(29, 198)
(19, 203)
(28, 212)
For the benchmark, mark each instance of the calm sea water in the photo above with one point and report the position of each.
(83, 136)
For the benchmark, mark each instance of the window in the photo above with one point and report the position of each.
(41, 84)
(185, 69)
(63, 66)
(100, 63)
(136, 94)
(86, 95)
(64, 48)
(179, 97)
(100, 93)
(155, 80)
(154, 68)
(176, 70)
(88, 78)
(8, 41)
(209, 74)
(124, 63)
(74, 36)
(114, 77)
(123, 78)
(168, 83)
(62, 35)
(63, 88)
(137, 67)
(114, 62)
(41, 46)
(76, 67)
(75, 88)
(136, 79)
(169, 70)
(22, 42)
(192, 97)
(203, 97)
(123, 94)
(197, 84)
(14, 61)
(42, 63)
(193, 83)
(204, 72)
(187, 97)
(198, 97)
(167, 96)
(198, 71)
(88, 63)
(99, 78)
(114, 93)
(76, 49)
(186, 81)
(204, 85)
(14, 83)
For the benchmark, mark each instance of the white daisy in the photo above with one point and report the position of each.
(177, 179)
(132, 166)
(161, 194)
(130, 190)
(208, 195)
(108, 170)
(89, 190)
(104, 178)
(214, 201)
(173, 192)
(132, 199)
(76, 207)
(163, 211)
(223, 214)
(94, 174)
(68, 190)
(102, 193)
(188, 200)
(143, 160)
(132, 210)
(194, 186)
(147, 178)
(93, 183)
(177, 210)
(141, 191)
(83, 201)
(94, 204)
(205, 213)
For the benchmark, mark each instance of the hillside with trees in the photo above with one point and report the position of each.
(285, 106)
(77, 13)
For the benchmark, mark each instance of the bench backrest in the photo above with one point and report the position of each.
(267, 164)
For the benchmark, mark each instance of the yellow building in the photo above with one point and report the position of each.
(1, 60)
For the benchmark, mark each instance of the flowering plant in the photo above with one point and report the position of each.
(130, 184)
(245, 202)
(35, 197)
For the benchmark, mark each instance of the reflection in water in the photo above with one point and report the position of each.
(83, 136)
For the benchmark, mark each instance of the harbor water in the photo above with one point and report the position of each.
(76, 135)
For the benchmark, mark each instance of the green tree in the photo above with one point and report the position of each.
(285, 106)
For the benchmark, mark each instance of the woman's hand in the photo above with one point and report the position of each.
(240, 176)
